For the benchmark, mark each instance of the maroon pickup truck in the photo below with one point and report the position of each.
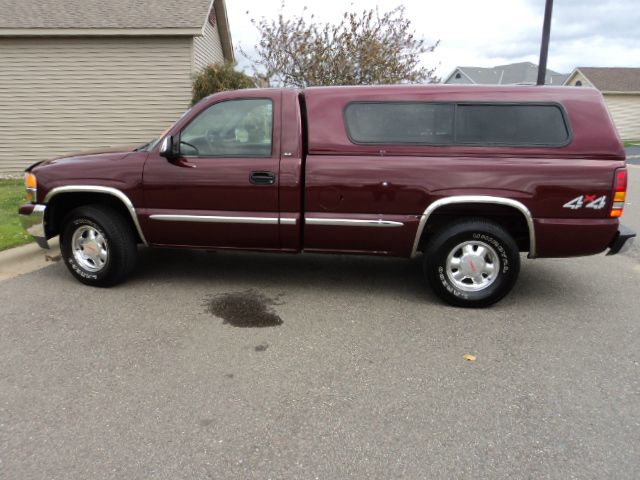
(465, 177)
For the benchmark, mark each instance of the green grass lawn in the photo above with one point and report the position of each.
(629, 143)
(11, 197)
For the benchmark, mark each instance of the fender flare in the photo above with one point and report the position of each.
(114, 192)
(476, 199)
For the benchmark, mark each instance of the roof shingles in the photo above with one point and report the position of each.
(107, 14)
(514, 73)
(613, 79)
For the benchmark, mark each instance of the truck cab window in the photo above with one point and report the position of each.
(233, 128)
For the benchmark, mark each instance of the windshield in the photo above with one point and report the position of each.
(151, 144)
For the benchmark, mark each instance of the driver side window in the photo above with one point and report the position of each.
(232, 128)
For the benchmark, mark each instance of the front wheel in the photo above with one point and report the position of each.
(472, 263)
(98, 246)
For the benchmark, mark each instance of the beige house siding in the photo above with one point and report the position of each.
(625, 111)
(207, 49)
(61, 95)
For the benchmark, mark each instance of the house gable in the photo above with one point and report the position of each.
(608, 79)
(458, 77)
(522, 73)
(577, 79)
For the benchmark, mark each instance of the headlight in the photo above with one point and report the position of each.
(31, 185)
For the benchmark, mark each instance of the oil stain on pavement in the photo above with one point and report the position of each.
(247, 309)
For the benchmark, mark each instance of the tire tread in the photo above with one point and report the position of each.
(458, 227)
(122, 243)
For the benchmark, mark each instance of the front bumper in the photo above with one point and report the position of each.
(32, 219)
(622, 241)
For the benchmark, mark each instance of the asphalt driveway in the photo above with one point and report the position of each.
(359, 372)
(633, 154)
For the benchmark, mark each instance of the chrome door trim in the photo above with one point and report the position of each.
(215, 219)
(288, 221)
(347, 222)
(487, 199)
(98, 189)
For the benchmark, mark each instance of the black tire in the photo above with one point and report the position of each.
(115, 237)
(469, 289)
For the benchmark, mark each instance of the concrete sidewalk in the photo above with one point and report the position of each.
(27, 258)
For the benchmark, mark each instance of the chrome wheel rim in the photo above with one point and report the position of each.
(473, 266)
(90, 248)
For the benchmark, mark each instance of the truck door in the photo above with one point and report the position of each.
(222, 191)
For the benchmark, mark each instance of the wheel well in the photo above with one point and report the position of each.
(509, 218)
(60, 206)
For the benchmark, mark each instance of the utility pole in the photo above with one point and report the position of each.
(544, 46)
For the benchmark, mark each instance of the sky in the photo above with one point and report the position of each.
(482, 33)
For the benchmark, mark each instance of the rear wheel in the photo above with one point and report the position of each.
(98, 245)
(471, 263)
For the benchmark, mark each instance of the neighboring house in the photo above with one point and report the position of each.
(523, 73)
(620, 88)
(85, 74)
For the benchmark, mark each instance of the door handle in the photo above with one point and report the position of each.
(262, 178)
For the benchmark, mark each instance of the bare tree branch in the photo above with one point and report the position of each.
(367, 47)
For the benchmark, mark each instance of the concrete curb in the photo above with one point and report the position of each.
(27, 258)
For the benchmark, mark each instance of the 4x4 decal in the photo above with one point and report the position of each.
(586, 201)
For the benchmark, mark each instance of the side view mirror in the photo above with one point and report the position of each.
(169, 149)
